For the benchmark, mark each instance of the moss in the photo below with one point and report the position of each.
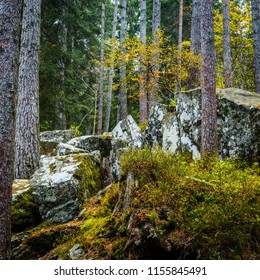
(53, 168)
(89, 175)
(143, 126)
(24, 212)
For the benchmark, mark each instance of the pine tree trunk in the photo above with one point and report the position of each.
(194, 75)
(143, 94)
(101, 73)
(27, 119)
(256, 34)
(227, 44)
(9, 22)
(60, 115)
(155, 59)
(111, 71)
(180, 44)
(209, 143)
(122, 74)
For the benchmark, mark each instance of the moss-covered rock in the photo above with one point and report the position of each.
(63, 183)
(25, 213)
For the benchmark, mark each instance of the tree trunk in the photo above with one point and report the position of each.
(111, 71)
(122, 74)
(143, 93)
(194, 75)
(227, 44)
(9, 22)
(27, 146)
(180, 44)
(256, 34)
(60, 115)
(101, 77)
(155, 59)
(209, 143)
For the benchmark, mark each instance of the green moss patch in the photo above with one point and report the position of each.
(24, 212)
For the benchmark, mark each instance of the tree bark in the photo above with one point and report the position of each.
(9, 22)
(194, 75)
(209, 143)
(180, 44)
(155, 59)
(227, 44)
(256, 35)
(60, 115)
(101, 73)
(122, 74)
(111, 71)
(27, 144)
(143, 93)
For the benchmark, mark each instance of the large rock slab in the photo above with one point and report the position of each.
(154, 130)
(238, 113)
(126, 134)
(87, 143)
(50, 139)
(63, 183)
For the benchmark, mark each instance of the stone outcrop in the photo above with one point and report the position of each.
(238, 124)
(62, 184)
(50, 139)
(126, 134)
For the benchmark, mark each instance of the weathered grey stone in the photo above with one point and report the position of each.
(61, 185)
(66, 149)
(126, 134)
(76, 252)
(154, 130)
(50, 139)
(238, 124)
(92, 143)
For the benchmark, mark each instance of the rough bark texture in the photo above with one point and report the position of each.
(143, 93)
(209, 143)
(155, 67)
(256, 34)
(111, 71)
(227, 44)
(194, 75)
(101, 71)
(180, 44)
(123, 89)
(9, 22)
(27, 147)
(60, 115)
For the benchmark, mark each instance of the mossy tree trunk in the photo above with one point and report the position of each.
(27, 150)
(9, 22)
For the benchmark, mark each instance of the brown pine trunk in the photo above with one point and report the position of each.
(180, 44)
(9, 22)
(209, 143)
(101, 77)
(194, 75)
(27, 146)
(111, 71)
(155, 59)
(227, 44)
(122, 74)
(256, 34)
(143, 93)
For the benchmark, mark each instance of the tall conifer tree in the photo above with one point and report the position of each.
(9, 22)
